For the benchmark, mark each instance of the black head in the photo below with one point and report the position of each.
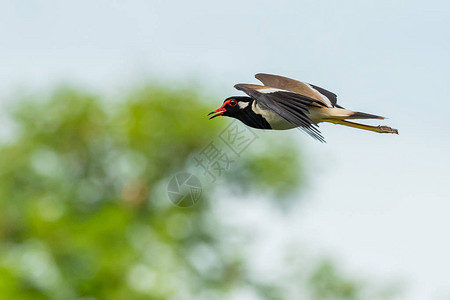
(233, 107)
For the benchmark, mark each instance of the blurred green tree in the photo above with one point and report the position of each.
(84, 211)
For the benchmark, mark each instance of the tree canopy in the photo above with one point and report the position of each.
(85, 211)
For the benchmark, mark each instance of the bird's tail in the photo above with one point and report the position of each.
(342, 114)
(361, 115)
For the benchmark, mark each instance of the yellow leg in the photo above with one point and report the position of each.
(380, 129)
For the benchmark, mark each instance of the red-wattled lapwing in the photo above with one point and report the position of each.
(284, 103)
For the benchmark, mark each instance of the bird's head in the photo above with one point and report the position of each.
(232, 107)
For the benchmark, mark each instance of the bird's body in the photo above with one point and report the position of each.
(274, 120)
(284, 103)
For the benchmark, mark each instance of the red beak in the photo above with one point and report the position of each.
(220, 112)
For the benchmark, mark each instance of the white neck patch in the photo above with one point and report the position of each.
(242, 104)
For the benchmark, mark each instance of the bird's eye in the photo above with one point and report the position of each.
(233, 102)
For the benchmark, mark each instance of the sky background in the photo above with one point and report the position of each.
(378, 203)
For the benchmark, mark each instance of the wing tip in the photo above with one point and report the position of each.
(257, 75)
(313, 131)
(239, 86)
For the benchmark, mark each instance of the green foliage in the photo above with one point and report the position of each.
(83, 208)
(259, 168)
(326, 283)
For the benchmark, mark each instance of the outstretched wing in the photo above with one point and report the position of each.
(326, 97)
(290, 106)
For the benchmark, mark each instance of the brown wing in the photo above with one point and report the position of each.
(291, 106)
(326, 97)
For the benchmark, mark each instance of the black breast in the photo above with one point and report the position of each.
(249, 118)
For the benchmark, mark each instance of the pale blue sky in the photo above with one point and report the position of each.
(380, 202)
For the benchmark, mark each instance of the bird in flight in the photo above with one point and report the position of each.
(284, 103)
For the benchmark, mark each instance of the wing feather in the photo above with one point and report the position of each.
(291, 106)
(326, 97)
